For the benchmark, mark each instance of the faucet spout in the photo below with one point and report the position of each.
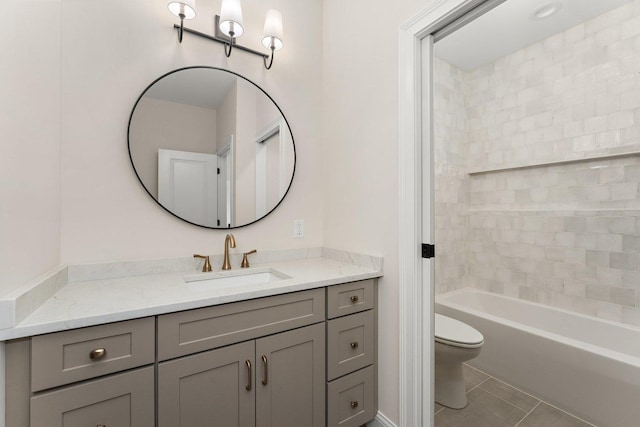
(228, 240)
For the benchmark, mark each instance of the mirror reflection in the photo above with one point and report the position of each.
(211, 147)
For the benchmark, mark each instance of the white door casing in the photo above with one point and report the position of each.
(188, 185)
(416, 208)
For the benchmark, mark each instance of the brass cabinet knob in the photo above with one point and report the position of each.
(101, 425)
(354, 299)
(354, 404)
(97, 354)
(354, 344)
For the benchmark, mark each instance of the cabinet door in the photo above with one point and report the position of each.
(290, 389)
(215, 388)
(122, 400)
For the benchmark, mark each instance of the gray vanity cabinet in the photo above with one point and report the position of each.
(301, 359)
(351, 354)
(277, 381)
(123, 400)
(214, 385)
(290, 389)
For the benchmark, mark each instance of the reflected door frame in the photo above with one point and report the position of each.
(416, 280)
(226, 182)
(272, 129)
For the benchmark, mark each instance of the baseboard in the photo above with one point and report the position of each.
(381, 421)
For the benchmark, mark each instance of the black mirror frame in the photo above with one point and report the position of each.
(293, 173)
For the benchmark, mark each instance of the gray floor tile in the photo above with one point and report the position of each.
(510, 394)
(548, 416)
(483, 410)
(472, 377)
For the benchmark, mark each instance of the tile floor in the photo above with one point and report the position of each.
(493, 403)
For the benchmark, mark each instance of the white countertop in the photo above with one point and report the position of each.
(92, 302)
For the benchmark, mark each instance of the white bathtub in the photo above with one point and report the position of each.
(587, 366)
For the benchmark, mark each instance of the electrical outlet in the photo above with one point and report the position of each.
(298, 228)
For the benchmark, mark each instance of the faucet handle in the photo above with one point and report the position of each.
(245, 261)
(207, 265)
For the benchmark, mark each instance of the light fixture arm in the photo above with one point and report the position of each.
(181, 29)
(220, 40)
(273, 50)
(227, 51)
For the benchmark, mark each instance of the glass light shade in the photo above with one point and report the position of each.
(272, 30)
(187, 7)
(231, 18)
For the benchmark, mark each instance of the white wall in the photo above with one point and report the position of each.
(160, 124)
(29, 141)
(111, 51)
(360, 64)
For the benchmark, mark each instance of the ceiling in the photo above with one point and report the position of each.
(509, 27)
(201, 87)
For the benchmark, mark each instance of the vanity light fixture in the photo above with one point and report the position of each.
(184, 9)
(230, 22)
(228, 27)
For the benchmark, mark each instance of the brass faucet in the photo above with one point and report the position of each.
(207, 265)
(226, 265)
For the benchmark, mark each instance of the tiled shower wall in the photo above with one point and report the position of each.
(451, 179)
(565, 234)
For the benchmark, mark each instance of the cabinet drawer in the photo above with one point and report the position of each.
(350, 344)
(349, 298)
(123, 400)
(351, 401)
(192, 331)
(70, 356)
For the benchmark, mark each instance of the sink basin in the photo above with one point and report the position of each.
(236, 278)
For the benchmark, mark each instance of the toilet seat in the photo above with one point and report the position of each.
(456, 333)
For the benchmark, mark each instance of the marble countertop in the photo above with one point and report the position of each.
(91, 302)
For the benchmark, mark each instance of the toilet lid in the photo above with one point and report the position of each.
(454, 332)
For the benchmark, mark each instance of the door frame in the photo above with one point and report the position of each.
(415, 306)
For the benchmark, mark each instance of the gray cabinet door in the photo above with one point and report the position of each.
(121, 400)
(290, 389)
(215, 388)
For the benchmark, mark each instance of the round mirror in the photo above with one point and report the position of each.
(211, 147)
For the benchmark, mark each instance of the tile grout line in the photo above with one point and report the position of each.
(529, 413)
(515, 388)
(540, 401)
(478, 385)
(568, 413)
(506, 401)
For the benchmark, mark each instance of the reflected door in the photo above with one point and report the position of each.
(188, 185)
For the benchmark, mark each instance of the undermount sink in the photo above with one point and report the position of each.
(237, 278)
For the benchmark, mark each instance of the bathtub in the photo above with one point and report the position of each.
(587, 366)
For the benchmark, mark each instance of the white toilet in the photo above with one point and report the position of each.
(455, 343)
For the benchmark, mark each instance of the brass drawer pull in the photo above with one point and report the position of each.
(97, 354)
(248, 386)
(354, 404)
(101, 425)
(265, 380)
(354, 344)
(354, 299)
